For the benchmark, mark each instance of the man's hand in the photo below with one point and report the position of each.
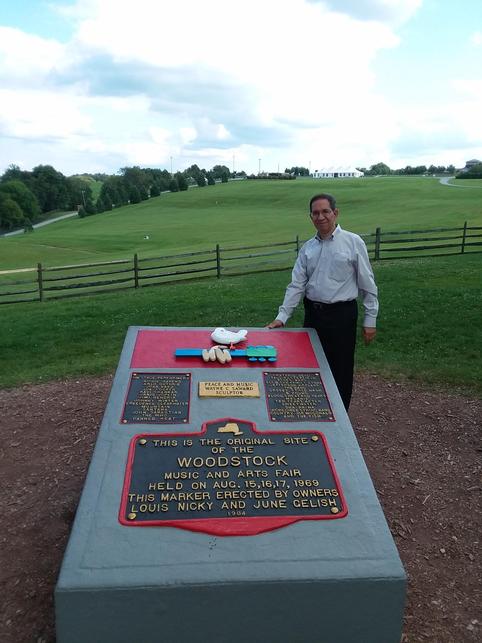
(368, 334)
(276, 323)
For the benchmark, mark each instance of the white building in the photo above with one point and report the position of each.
(340, 172)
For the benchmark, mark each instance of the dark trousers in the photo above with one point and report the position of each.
(335, 325)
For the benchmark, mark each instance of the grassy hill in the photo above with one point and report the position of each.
(239, 211)
(429, 326)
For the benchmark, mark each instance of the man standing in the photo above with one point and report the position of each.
(331, 270)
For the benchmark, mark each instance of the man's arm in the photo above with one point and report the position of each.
(368, 291)
(294, 292)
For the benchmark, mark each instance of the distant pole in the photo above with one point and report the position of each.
(259, 166)
(233, 162)
(171, 166)
(278, 167)
(83, 196)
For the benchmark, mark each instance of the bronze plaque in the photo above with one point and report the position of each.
(297, 397)
(157, 398)
(228, 389)
(230, 479)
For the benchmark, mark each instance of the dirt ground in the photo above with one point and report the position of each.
(422, 448)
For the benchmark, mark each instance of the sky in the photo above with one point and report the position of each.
(96, 85)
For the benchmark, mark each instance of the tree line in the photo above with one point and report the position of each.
(26, 197)
(383, 169)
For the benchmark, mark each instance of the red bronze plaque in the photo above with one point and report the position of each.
(230, 480)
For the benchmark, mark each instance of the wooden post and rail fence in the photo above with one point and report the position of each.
(58, 282)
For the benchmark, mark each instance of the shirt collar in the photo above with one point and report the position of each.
(335, 232)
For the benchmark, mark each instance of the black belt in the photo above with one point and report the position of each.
(319, 305)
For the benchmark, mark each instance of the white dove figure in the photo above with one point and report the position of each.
(227, 337)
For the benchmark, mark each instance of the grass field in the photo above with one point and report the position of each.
(240, 212)
(429, 324)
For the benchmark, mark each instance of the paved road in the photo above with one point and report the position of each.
(67, 215)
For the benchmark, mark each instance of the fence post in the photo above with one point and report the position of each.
(136, 271)
(377, 243)
(40, 282)
(297, 245)
(218, 261)
(464, 236)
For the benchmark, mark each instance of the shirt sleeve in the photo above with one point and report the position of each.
(367, 287)
(295, 290)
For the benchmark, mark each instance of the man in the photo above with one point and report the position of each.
(331, 270)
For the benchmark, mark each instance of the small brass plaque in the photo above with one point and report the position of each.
(228, 389)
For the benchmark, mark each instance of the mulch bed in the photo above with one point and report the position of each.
(422, 448)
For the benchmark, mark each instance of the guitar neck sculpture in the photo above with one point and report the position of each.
(251, 353)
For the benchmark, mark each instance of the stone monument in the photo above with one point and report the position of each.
(228, 502)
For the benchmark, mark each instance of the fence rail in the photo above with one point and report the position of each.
(57, 282)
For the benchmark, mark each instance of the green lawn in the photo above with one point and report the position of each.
(470, 183)
(239, 213)
(429, 325)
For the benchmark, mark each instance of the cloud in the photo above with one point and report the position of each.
(25, 58)
(393, 12)
(41, 115)
(476, 39)
(287, 82)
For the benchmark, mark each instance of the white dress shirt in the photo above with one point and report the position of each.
(332, 270)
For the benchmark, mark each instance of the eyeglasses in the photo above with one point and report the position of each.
(317, 213)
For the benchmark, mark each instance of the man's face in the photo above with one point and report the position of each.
(323, 217)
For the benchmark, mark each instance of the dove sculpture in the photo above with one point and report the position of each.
(223, 336)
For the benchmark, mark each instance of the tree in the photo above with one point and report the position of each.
(23, 197)
(50, 187)
(80, 193)
(99, 205)
(164, 184)
(420, 169)
(136, 176)
(181, 182)
(379, 168)
(298, 171)
(155, 191)
(219, 171)
(173, 185)
(475, 172)
(134, 194)
(14, 173)
(196, 175)
(11, 215)
(114, 192)
(103, 204)
(211, 180)
(27, 225)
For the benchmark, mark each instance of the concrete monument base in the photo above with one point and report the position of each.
(324, 580)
